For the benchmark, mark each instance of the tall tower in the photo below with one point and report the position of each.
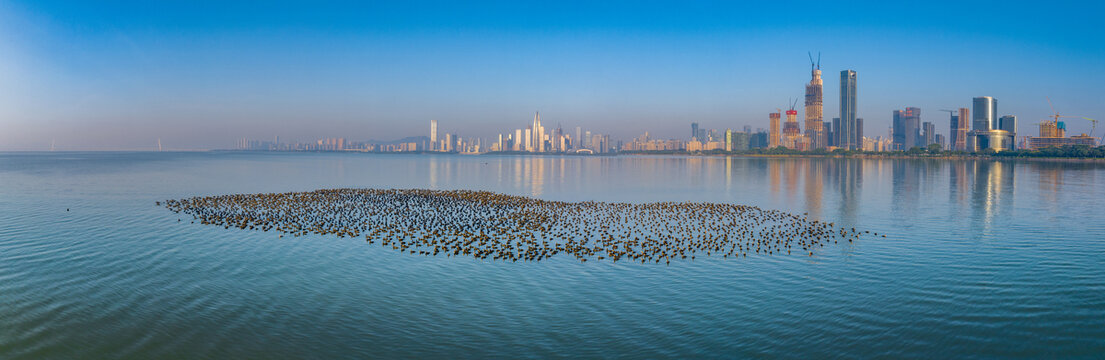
(538, 135)
(985, 114)
(773, 135)
(814, 103)
(848, 128)
(961, 130)
(694, 130)
(791, 130)
(433, 134)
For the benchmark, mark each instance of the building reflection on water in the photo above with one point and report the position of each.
(827, 188)
(993, 191)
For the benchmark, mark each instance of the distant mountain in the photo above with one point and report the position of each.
(409, 139)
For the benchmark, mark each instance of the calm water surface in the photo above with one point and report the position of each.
(983, 259)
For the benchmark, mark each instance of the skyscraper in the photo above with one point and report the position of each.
(773, 134)
(985, 114)
(529, 139)
(433, 134)
(1009, 123)
(577, 143)
(814, 104)
(848, 127)
(929, 135)
(907, 130)
(694, 131)
(538, 135)
(859, 133)
(791, 130)
(962, 127)
(728, 140)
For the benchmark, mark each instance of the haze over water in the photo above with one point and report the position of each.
(983, 258)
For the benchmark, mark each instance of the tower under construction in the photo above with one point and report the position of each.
(814, 101)
(792, 134)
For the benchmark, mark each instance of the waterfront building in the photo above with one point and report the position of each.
(759, 140)
(814, 105)
(987, 132)
(728, 140)
(791, 131)
(962, 127)
(929, 134)
(433, 133)
(1009, 124)
(774, 138)
(907, 132)
(741, 141)
(848, 127)
(985, 112)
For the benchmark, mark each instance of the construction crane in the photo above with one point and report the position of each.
(1093, 126)
(1054, 119)
(950, 113)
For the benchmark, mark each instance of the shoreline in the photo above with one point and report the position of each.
(635, 153)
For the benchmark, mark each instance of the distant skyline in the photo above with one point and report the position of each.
(200, 75)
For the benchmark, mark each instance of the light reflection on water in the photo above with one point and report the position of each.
(984, 258)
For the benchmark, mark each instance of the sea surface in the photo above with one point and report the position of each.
(983, 259)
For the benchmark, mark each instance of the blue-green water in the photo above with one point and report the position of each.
(983, 259)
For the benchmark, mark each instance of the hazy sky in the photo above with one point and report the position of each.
(96, 75)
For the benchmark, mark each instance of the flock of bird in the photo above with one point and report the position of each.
(487, 225)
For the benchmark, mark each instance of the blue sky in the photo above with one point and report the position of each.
(119, 75)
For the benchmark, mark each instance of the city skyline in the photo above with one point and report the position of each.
(81, 77)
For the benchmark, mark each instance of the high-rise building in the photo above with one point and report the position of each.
(741, 141)
(519, 142)
(773, 138)
(828, 133)
(1009, 124)
(694, 131)
(538, 135)
(859, 131)
(791, 130)
(758, 140)
(985, 114)
(433, 133)
(728, 140)
(836, 132)
(929, 135)
(529, 139)
(959, 133)
(898, 131)
(814, 104)
(577, 142)
(907, 129)
(848, 126)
